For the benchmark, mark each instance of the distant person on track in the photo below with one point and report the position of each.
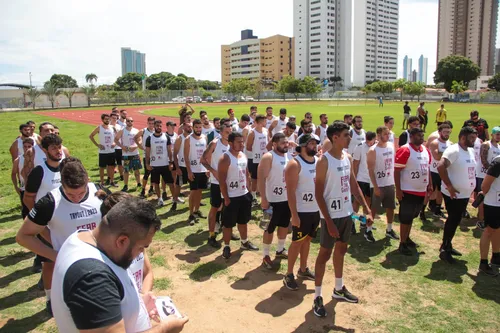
(406, 115)
(380, 102)
(422, 116)
(441, 115)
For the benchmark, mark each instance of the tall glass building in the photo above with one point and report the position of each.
(133, 61)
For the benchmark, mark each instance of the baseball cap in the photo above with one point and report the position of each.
(496, 130)
(171, 123)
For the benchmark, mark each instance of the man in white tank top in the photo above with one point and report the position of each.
(106, 145)
(237, 200)
(278, 125)
(300, 175)
(437, 148)
(194, 146)
(489, 150)
(457, 169)
(118, 149)
(180, 164)
(256, 145)
(210, 160)
(232, 119)
(380, 160)
(321, 129)
(291, 136)
(122, 121)
(16, 147)
(358, 134)
(389, 123)
(242, 125)
(271, 178)
(413, 183)
(17, 179)
(140, 139)
(269, 117)
(207, 127)
(307, 128)
(131, 158)
(335, 182)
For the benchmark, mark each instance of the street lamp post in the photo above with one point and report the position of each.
(31, 86)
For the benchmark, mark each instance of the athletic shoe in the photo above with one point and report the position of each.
(164, 196)
(37, 266)
(439, 214)
(455, 253)
(289, 282)
(282, 254)
(391, 234)
(480, 225)
(308, 275)
(192, 219)
(318, 307)
(235, 237)
(411, 244)
(179, 200)
(202, 204)
(142, 195)
(160, 203)
(125, 188)
(139, 185)
(40, 283)
(486, 269)
(403, 249)
(226, 253)
(267, 262)
(423, 218)
(114, 184)
(353, 229)
(48, 308)
(248, 246)
(446, 256)
(108, 181)
(466, 215)
(174, 207)
(369, 236)
(345, 295)
(199, 214)
(121, 178)
(212, 241)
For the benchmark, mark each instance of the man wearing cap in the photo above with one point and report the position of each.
(479, 124)
(279, 124)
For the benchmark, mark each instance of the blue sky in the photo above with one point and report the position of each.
(177, 36)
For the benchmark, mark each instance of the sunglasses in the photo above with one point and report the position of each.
(130, 121)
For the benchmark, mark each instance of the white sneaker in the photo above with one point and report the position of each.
(179, 200)
(160, 203)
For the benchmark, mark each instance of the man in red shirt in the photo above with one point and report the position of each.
(413, 181)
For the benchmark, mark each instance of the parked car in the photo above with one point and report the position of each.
(234, 99)
(179, 99)
(209, 99)
(197, 99)
(249, 99)
(189, 99)
(224, 99)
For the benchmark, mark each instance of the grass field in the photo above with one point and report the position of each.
(398, 294)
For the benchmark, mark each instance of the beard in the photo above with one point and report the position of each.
(197, 133)
(282, 150)
(158, 131)
(311, 152)
(53, 158)
(126, 260)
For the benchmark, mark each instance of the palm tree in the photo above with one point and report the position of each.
(69, 94)
(89, 91)
(90, 78)
(33, 93)
(51, 91)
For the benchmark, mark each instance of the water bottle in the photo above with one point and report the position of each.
(267, 214)
(360, 218)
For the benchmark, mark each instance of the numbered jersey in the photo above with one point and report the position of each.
(304, 194)
(384, 165)
(236, 175)
(180, 154)
(128, 141)
(492, 153)
(462, 170)
(197, 147)
(107, 139)
(415, 175)
(492, 198)
(219, 150)
(337, 192)
(136, 269)
(356, 139)
(158, 153)
(275, 182)
(280, 126)
(259, 145)
(441, 148)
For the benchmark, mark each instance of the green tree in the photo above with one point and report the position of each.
(400, 84)
(237, 87)
(494, 82)
(33, 93)
(191, 85)
(177, 83)
(129, 82)
(289, 85)
(69, 94)
(386, 87)
(455, 68)
(51, 91)
(310, 86)
(158, 81)
(414, 89)
(90, 92)
(91, 78)
(458, 88)
(63, 81)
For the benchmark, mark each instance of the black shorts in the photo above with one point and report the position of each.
(183, 178)
(215, 195)
(479, 183)
(200, 181)
(239, 211)
(163, 172)
(343, 224)
(146, 171)
(252, 168)
(365, 188)
(410, 207)
(118, 156)
(281, 216)
(436, 181)
(421, 119)
(24, 210)
(39, 257)
(491, 214)
(107, 159)
(309, 223)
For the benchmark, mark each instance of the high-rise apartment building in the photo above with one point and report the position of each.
(268, 59)
(133, 61)
(468, 28)
(422, 69)
(414, 76)
(354, 39)
(407, 68)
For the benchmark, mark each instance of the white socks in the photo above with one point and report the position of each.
(339, 283)
(47, 294)
(254, 194)
(317, 292)
(265, 249)
(281, 244)
(389, 226)
(369, 228)
(244, 240)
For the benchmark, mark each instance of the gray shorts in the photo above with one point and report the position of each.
(343, 224)
(387, 198)
(406, 116)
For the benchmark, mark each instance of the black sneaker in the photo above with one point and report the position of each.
(174, 207)
(391, 234)
(439, 214)
(308, 275)
(353, 229)
(48, 308)
(151, 192)
(213, 242)
(403, 249)
(200, 215)
(495, 261)
(423, 218)
(192, 219)
(142, 195)
(369, 236)
(486, 269)
(282, 254)
(108, 182)
(289, 282)
(345, 295)
(226, 253)
(37, 266)
(318, 307)
(114, 184)
(480, 225)
(164, 196)
(121, 178)
(411, 244)
(446, 256)
(125, 188)
(235, 237)
(139, 185)
(248, 246)
(455, 253)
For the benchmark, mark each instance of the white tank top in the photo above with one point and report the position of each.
(304, 194)
(270, 121)
(259, 145)
(462, 172)
(492, 153)
(173, 138)
(477, 151)
(137, 270)
(415, 176)
(391, 137)
(180, 154)
(337, 192)
(384, 166)
(205, 131)
(20, 167)
(238, 129)
(196, 149)
(280, 126)
(69, 217)
(106, 138)
(20, 148)
(356, 140)
(360, 155)
(40, 157)
(146, 133)
(128, 141)
(118, 128)
(50, 181)
(322, 133)
(492, 198)
(441, 148)
(275, 182)
(219, 150)
(158, 155)
(236, 180)
(133, 310)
